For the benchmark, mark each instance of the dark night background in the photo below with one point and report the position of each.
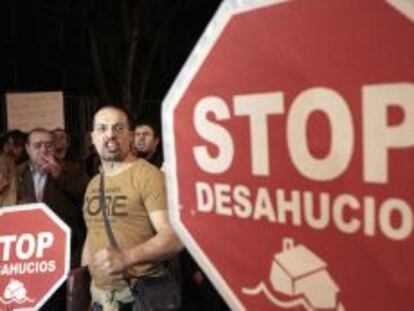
(98, 51)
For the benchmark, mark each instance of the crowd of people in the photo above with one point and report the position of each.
(115, 204)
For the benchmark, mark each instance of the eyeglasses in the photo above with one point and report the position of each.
(40, 144)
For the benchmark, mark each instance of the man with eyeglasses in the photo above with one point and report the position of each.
(43, 179)
(135, 203)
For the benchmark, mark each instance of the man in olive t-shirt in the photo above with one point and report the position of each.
(136, 208)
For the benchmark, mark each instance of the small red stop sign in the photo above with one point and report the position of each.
(34, 255)
(289, 138)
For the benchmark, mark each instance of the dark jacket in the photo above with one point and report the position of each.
(63, 196)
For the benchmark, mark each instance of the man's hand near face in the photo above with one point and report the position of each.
(51, 166)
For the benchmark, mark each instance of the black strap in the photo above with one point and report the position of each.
(108, 228)
(102, 205)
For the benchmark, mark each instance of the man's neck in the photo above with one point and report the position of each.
(34, 168)
(114, 167)
(150, 155)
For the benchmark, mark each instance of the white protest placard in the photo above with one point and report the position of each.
(26, 111)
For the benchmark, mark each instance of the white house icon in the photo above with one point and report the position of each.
(297, 271)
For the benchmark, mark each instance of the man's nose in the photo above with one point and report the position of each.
(110, 132)
(43, 148)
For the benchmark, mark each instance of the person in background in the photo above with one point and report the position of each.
(13, 146)
(8, 182)
(137, 213)
(147, 142)
(62, 143)
(92, 162)
(63, 146)
(198, 292)
(44, 179)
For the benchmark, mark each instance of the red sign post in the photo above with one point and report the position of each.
(289, 139)
(34, 256)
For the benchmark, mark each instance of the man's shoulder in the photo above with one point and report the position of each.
(23, 170)
(94, 179)
(93, 182)
(144, 167)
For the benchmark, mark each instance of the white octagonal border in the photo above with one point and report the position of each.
(63, 226)
(227, 9)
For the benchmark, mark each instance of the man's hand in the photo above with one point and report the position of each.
(113, 262)
(51, 166)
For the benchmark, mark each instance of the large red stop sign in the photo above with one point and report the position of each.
(289, 138)
(34, 255)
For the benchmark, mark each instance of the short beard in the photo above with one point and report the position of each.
(112, 157)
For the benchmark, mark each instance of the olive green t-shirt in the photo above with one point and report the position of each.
(130, 196)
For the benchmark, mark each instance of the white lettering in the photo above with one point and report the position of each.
(205, 197)
(336, 110)
(369, 216)
(7, 241)
(378, 136)
(29, 240)
(263, 206)
(223, 199)
(345, 212)
(284, 207)
(339, 205)
(403, 210)
(242, 206)
(44, 240)
(258, 107)
(311, 208)
(25, 245)
(213, 133)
